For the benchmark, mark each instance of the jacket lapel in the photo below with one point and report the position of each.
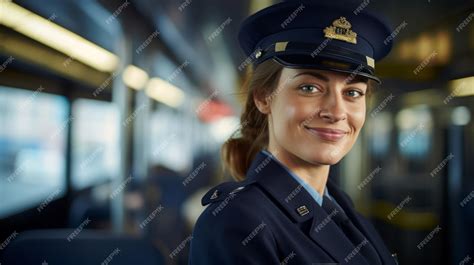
(364, 227)
(298, 204)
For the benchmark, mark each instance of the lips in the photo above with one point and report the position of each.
(327, 134)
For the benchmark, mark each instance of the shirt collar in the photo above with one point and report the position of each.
(316, 196)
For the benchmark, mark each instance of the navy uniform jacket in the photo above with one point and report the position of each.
(257, 221)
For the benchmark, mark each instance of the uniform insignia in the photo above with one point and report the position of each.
(370, 61)
(341, 30)
(223, 191)
(215, 194)
(302, 210)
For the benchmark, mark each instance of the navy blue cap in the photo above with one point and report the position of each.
(328, 35)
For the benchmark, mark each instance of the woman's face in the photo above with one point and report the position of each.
(316, 115)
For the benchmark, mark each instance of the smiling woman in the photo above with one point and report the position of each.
(314, 110)
(304, 112)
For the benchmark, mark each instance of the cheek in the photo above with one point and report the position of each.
(287, 114)
(284, 116)
(357, 116)
(295, 113)
(299, 110)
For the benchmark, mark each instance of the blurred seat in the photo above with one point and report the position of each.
(65, 247)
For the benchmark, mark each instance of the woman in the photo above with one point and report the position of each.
(306, 104)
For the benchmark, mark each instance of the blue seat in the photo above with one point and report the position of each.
(62, 246)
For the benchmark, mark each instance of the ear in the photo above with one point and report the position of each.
(262, 102)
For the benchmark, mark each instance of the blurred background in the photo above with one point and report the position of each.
(112, 115)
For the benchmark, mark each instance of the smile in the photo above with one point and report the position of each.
(332, 135)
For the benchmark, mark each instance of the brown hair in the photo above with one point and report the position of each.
(237, 153)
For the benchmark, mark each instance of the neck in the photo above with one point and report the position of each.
(315, 175)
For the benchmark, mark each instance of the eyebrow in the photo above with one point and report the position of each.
(317, 75)
(355, 79)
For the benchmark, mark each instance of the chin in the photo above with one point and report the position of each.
(325, 161)
(321, 158)
(324, 155)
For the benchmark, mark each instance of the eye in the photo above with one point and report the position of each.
(309, 89)
(353, 93)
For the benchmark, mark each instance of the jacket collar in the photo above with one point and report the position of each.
(301, 207)
(371, 235)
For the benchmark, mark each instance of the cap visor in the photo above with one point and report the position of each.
(324, 63)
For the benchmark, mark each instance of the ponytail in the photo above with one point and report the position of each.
(237, 153)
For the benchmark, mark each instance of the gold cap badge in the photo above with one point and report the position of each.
(341, 30)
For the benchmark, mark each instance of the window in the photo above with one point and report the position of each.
(33, 134)
(379, 135)
(415, 132)
(95, 142)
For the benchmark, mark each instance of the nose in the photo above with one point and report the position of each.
(333, 108)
